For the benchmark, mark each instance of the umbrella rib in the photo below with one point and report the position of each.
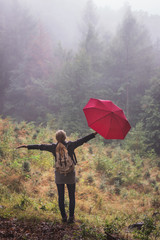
(110, 122)
(119, 110)
(117, 121)
(96, 109)
(106, 115)
(107, 118)
(109, 128)
(100, 118)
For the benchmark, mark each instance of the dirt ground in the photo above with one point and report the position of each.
(26, 230)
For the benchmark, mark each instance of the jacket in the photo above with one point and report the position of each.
(71, 146)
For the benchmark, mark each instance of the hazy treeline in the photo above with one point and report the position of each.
(42, 81)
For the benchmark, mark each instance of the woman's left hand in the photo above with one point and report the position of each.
(22, 146)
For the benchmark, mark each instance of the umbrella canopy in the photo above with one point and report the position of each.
(106, 118)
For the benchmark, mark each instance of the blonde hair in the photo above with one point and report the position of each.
(60, 136)
(60, 149)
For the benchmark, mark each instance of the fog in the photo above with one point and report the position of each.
(55, 55)
(65, 18)
(61, 18)
(152, 7)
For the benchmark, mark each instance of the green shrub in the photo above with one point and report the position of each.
(155, 202)
(147, 175)
(111, 227)
(136, 140)
(90, 178)
(26, 167)
(146, 230)
(117, 190)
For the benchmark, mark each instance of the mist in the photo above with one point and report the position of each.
(55, 55)
(65, 19)
(61, 18)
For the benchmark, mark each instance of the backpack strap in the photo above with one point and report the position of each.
(74, 158)
(55, 152)
(73, 155)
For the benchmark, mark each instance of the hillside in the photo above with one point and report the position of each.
(115, 188)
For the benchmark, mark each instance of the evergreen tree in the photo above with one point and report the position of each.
(30, 80)
(80, 76)
(73, 91)
(4, 52)
(128, 66)
(90, 39)
(151, 115)
(16, 27)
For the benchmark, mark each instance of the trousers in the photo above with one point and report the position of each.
(61, 195)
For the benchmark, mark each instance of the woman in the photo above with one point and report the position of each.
(60, 178)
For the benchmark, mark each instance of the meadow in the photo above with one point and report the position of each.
(117, 185)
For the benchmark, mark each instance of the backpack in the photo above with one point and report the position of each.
(64, 163)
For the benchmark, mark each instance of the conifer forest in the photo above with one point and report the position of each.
(55, 56)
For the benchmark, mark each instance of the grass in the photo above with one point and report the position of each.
(115, 187)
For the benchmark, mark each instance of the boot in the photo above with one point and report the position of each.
(71, 220)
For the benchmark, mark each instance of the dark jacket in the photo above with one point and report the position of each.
(70, 178)
(71, 146)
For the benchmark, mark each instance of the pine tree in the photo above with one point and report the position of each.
(128, 65)
(30, 80)
(151, 115)
(16, 27)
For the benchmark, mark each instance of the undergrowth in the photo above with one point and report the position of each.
(115, 187)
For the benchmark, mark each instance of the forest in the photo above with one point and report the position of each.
(41, 81)
(45, 81)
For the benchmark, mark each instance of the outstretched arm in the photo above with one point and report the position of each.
(22, 146)
(80, 141)
(43, 147)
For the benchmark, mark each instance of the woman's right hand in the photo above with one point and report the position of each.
(22, 146)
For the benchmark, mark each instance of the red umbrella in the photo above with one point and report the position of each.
(106, 118)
